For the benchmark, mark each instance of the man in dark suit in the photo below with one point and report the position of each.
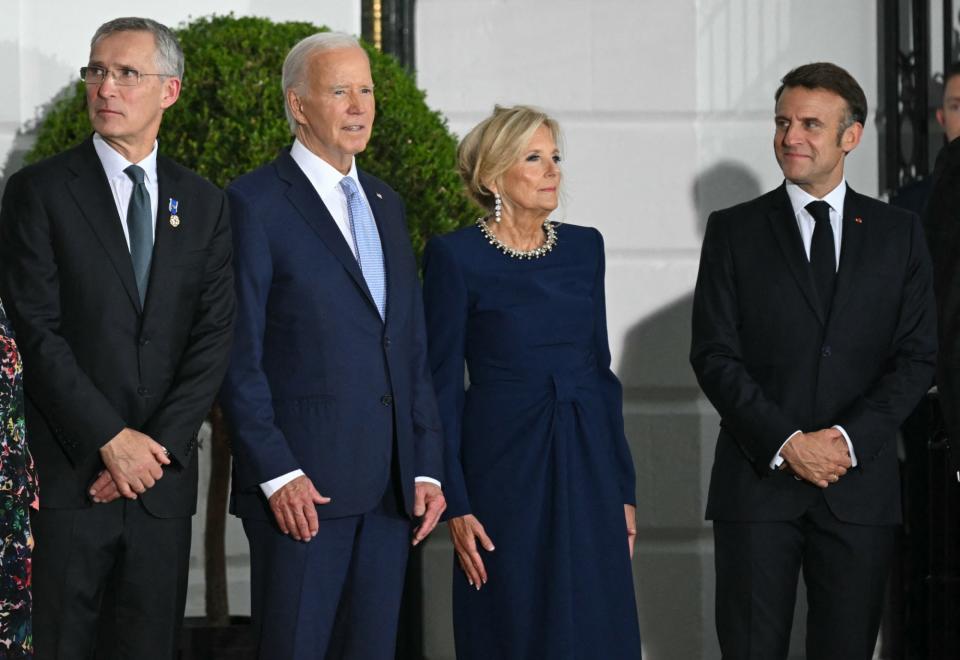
(115, 265)
(814, 335)
(328, 389)
(943, 231)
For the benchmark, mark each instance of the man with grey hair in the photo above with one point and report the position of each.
(335, 429)
(115, 265)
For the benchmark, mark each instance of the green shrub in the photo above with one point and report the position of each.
(229, 119)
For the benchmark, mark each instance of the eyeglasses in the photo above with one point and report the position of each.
(125, 76)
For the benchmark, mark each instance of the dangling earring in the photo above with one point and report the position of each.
(497, 205)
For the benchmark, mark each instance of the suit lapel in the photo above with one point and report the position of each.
(305, 199)
(851, 244)
(168, 241)
(784, 226)
(91, 192)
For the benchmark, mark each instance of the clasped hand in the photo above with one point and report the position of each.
(134, 462)
(820, 457)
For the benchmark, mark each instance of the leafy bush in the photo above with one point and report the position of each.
(229, 119)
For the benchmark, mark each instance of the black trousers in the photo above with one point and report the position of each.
(758, 564)
(109, 582)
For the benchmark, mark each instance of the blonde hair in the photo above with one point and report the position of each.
(495, 144)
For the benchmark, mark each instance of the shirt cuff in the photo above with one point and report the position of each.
(778, 459)
(428, 480)
(853, 455)
(272, 486)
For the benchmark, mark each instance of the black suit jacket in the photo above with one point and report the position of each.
(95, 362)
(772, 362)
(942, 223)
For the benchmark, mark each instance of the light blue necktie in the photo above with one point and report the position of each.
(367, 239)
(140, 228)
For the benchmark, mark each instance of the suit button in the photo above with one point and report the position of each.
(386, 342)
(386, 400)
(825, 351)
(143, 391)
(144, 341)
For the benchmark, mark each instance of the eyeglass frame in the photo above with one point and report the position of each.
(113, 74)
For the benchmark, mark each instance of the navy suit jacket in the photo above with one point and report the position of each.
(317, 380)
(772, 362)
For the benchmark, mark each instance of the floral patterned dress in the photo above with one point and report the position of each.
(18, 492)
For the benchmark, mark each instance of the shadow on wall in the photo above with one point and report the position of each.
(45, 67)
(656, 350)
(672, 438)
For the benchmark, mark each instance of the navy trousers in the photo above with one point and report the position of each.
(336, 597)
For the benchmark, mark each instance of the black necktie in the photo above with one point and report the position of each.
(140, 228)
(823, 254)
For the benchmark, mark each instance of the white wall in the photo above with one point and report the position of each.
(667, 109)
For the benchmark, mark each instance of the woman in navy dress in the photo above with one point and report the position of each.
(538, 477)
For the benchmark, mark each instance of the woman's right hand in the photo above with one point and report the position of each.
(465, 531)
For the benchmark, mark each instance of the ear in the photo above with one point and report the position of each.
(851, 137)
(296, 106)
(171, 92)
(940, 118)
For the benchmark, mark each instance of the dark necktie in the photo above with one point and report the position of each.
(823, 254)
(140, 228)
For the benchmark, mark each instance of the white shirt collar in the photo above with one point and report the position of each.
(799, 198)
(114, 164)
(324, 176)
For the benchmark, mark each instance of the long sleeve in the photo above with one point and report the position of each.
(874, 417)
(245, 396)
(757, 423)
(203, 362)
(611, 389)
(79, 414)
(446, 306)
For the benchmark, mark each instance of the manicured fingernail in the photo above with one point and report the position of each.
(470, 581)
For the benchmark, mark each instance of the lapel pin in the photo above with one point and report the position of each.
(379, 196)
(858, 220)
(174, 218)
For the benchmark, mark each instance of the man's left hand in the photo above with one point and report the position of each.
(104, 488)
(428, 504)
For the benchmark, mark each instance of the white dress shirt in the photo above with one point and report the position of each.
(121, 185)
(799, 198)
(325, 179)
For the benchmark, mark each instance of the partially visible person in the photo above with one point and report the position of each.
(915, 194)
(942, 222)
(938, 223)
(948, 114)
(18, 493)
(537, 463)
(336, 436)
(115, 269)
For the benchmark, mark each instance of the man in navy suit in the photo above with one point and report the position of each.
(814, 335)
(336, 435)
